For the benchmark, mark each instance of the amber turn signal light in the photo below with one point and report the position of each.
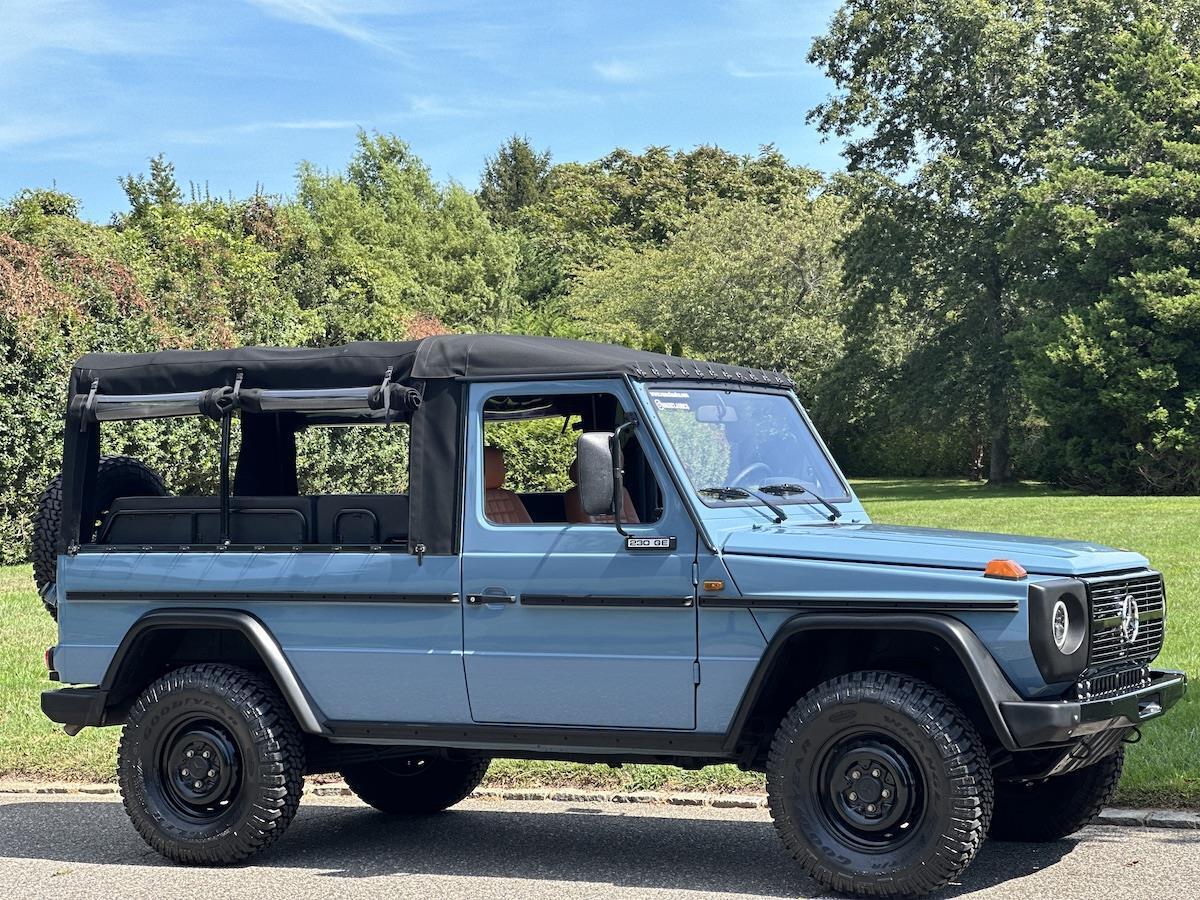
(1005, 568)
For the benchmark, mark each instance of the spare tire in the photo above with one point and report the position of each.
(116, 476)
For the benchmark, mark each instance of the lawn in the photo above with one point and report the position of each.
(1162, 770)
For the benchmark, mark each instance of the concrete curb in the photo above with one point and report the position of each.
(1139, 818)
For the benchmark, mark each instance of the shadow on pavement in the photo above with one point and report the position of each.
(597, 846)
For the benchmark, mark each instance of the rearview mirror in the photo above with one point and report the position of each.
(711, 414)
(595, 470)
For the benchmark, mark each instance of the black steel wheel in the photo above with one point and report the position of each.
(879, 785)
(871, 790)
(199, 769)
(210, 765)
(425, 781)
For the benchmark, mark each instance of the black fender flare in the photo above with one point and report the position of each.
(260, 637)
(987, 679)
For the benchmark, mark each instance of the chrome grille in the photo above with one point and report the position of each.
(1109, 646)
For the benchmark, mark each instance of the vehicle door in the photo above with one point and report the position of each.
(562, 623)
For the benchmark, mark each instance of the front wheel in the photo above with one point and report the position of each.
(420, 782)
(879, 785)
(1055, 807)
(210, 765)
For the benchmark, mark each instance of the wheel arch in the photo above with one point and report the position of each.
(140, 655)
(810, 648)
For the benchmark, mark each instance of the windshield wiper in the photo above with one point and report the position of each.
(782, 490)
(732, 492)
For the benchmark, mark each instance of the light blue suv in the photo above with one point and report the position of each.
(693, 583)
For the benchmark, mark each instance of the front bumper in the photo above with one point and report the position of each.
(1038, 723)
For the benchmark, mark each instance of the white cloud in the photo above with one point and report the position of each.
(617, 70)
(34, 28)
(344, 17)
(765, 70)
(222, 132)
(17, 132)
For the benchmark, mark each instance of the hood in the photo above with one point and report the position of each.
(899, 544)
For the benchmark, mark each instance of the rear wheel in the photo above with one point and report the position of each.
(116, 476)
(211, 765)
(1056, 807)
(879, 785)
(419, 783)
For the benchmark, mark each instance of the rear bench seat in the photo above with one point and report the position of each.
(334, 519)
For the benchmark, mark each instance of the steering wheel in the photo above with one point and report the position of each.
(744, 475)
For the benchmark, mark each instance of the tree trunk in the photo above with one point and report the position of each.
(1001, 378)
(999, 468)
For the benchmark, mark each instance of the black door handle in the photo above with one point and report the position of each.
(481, 599)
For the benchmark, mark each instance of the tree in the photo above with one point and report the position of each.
(739, 282)
(1113, 251)
(633, 200)
(160, 190)
(950, 98)
(384, 243)
(513, 179)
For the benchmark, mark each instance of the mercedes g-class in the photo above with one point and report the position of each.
(699, 584)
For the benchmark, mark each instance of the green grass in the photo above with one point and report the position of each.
(1164, 769)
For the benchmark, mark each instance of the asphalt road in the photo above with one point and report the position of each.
(79, 846)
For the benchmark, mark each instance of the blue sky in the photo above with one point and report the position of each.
(237, 92)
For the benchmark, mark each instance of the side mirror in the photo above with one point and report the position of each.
(595, 471)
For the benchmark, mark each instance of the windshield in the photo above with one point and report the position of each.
(745, 439)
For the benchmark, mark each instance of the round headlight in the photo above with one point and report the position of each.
(1060, 624)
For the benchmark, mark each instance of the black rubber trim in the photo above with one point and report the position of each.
(259, 636)
(243, 548)
(254, 596)
(703, 381)
(490, 737)
(75, 706)
(857, 562)
(1055, 722)
(858, 603)
(576, 600)
(989, 682)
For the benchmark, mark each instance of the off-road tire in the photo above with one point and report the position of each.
(823, 737)
(415, 785)
(116, 476)
(264, 774)
(1055, 807)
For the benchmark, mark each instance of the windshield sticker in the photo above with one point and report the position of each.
(671, 399)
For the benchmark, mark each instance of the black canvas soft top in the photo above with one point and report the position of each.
(191, 382)
(451, 356)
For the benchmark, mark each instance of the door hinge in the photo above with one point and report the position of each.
(696, 672)
(695, 573)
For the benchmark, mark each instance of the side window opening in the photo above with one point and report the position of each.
(529, 460)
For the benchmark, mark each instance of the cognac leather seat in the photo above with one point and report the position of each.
(501, 506)
(574, 505)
